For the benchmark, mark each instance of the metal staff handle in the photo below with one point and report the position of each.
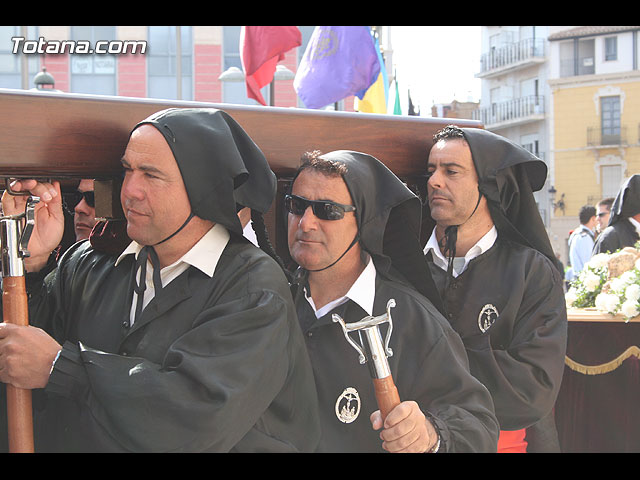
(14, 239)
(376, 353)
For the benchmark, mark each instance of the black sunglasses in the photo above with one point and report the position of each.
(602, 214)
(72, 199)
(323, 209)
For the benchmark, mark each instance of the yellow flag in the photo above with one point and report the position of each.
(374, 100)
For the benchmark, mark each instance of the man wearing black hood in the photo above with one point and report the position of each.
(624, 221)
(185, 341)
(353, 229)
(495, 269)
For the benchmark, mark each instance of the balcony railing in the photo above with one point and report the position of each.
(518, 109)
(512, 54)
(597, 136)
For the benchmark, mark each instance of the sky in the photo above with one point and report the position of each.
(437, 63)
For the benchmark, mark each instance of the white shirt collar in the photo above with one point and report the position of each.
(204, 255)
(362, 292)
(484, 244)
(635, 223)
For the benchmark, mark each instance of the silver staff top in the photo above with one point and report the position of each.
(377, 350)
(14, 239)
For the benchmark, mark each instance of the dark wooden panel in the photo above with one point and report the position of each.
(57, 134)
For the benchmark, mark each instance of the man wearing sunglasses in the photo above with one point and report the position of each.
(82, 205)
(353, 230)
(604, 212)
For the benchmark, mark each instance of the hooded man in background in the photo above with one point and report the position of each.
(497, 274)
(624, 220)
(185, 341)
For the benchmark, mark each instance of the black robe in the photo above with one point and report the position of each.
(214, 364)
(619, 235)
(621, 232)
(507, 177)
(515, 331)
(428, 365)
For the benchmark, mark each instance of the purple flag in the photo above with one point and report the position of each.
(339, 62)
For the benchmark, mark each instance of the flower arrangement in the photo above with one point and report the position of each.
(610, 283)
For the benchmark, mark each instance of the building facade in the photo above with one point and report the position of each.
(594, 129)
(455, 109)
(197, 55)
(570, 95)
(514, 92)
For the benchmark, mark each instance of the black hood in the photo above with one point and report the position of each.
(627, 201)
(507, 176)
(222, 168)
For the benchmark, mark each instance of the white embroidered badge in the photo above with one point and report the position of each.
(488, 316)
(348, 405)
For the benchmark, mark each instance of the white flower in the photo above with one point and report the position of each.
(628, 277)
(591, 281)
(599, 260)
(617, 284)
(607, 302)
(630, 309)
(632, 292)
(570, 297)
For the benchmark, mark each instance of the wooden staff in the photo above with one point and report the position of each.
(376, 354)
(15, 310)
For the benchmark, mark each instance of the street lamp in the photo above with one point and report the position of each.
(232, 74)
(552, 196)
(44, 81)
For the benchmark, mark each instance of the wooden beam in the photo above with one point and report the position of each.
(73, 136)
(84, 136)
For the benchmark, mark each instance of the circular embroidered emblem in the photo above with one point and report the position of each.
(488, 315)
(348, 405)
(327, 45)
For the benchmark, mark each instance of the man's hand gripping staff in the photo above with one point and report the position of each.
(408, 429)
(14, 239)
(18, 230)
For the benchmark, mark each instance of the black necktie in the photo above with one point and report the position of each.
(140, 286)
(141, 264)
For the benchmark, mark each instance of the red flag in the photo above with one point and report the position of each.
(262, 48)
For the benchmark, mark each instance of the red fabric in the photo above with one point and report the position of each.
(512, 441)
(262, 47)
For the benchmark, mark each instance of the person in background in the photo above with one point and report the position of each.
(603, 209)
(81, 204)
(582, 239)
(624, 223)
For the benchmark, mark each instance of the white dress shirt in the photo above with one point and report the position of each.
(204, 255)
(363, 292)
(460, 263)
